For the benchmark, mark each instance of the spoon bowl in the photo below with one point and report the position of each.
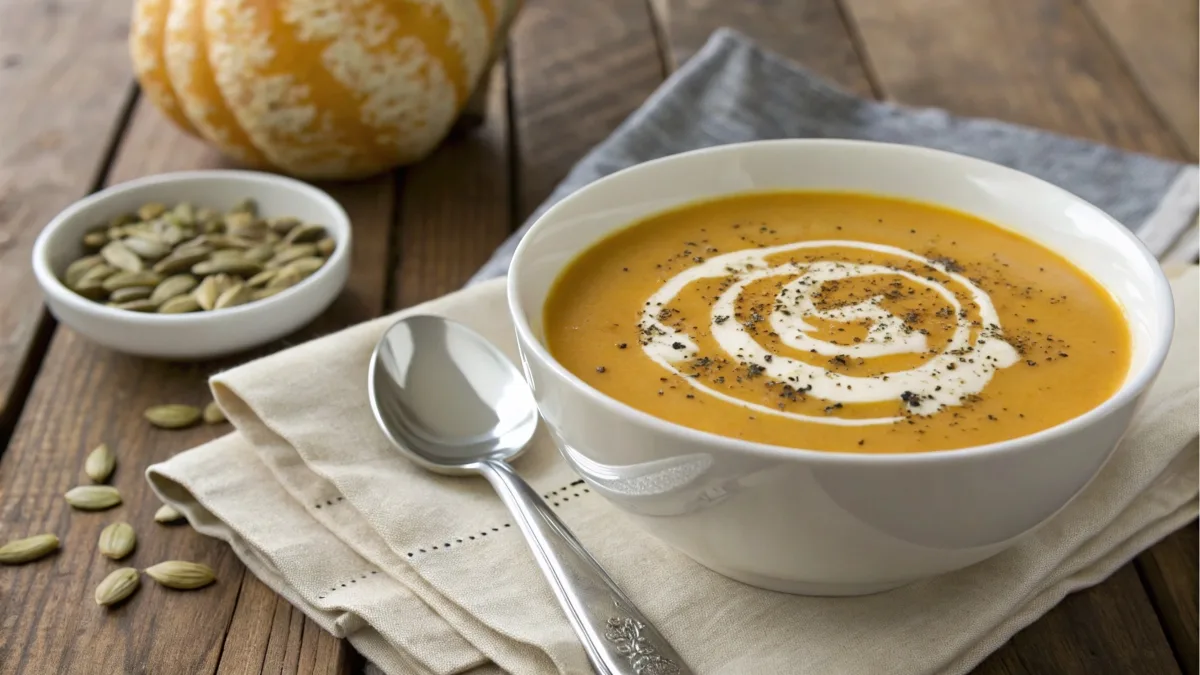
(453, 403)
(447, 398)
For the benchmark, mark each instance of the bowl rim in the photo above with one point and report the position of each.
(1130, 390)
(52, 285)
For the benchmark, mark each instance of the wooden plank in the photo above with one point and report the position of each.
(85, 395)
(1156, 39)
(1090, 633)
(811, 33)
(64, 71)
(1169, 570)
(1035, 62)
(578, 70)
(456, 206)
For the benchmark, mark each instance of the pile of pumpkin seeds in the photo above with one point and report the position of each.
(176, 259)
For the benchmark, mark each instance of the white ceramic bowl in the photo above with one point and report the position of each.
(833, 523)
(196, 335)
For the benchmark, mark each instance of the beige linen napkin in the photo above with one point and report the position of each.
(424, 574)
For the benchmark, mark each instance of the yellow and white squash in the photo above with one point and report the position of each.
(320, 89)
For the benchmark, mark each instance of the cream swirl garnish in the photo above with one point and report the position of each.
(944, 380)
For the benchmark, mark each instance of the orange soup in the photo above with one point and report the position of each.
(838, 321)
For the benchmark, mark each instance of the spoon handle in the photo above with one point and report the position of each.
(617, 638)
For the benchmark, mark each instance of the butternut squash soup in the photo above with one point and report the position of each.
(838, 321)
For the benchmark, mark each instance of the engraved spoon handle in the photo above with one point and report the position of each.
(617, 638)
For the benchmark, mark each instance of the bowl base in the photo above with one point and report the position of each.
(808, 587)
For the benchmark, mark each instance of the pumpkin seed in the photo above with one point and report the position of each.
(261, 253)
(21, 551)
(325, 246)
(306, 266)
(180, 304)
(213, 413)
(247, 205)
(173, 286)
(77, 269)
(98, 273)
(239, 266)
(238, 294)
(117, 540)
(100, 463)
(172, 415)
(118, 255)
(259, 280)
(282, 225)
(305, 233)
(239, 220)
(136, 305)
(128, 279)
(181, 575)
(290, 253)
(91, 288)
(182, 260)
(184, 213)
(129, 294)
(93, 497)
(96, 238)
(285, 278)
(147, 247)
(263, 293)
(118, 585)
(167, 514)
(151, 210)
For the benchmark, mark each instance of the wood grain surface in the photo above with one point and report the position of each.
(1156, 40)
(65, 78)
(1113, 71)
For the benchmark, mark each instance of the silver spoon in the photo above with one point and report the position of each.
(453, 403)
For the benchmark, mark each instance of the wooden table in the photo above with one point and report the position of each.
(72, 121)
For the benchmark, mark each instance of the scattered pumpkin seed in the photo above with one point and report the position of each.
(93, 497)
(21, 551)
(172, 415)
(117, 541)
(100, 463)
(118, 585)
(181, 575)
(213, 413)
(167, 514)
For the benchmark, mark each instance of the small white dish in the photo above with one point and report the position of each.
(197, 335)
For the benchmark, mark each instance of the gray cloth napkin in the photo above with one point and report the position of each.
(732, 91)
